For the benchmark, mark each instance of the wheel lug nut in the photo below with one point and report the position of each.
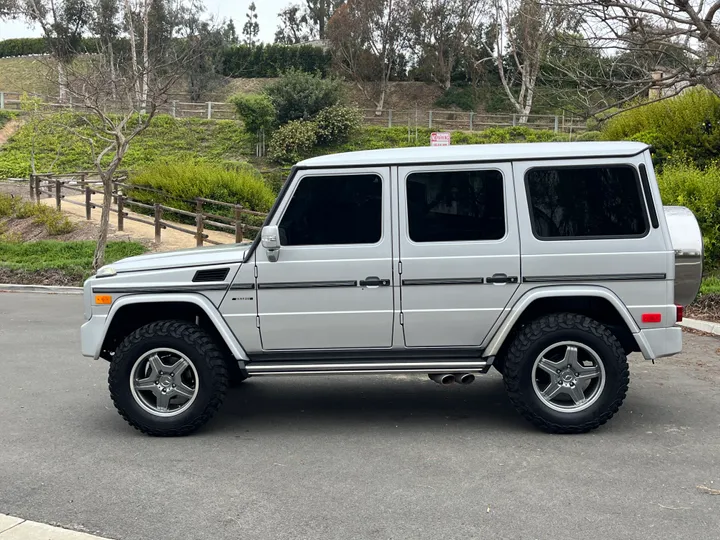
(577, 374)
(172, 374)
(558, 371)
(173, 386)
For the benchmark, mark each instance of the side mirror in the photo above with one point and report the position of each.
(270, 239)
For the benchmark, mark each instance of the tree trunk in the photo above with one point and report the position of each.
(99, 256)
(111, 58)
(133, 51)
(146, 57)
(62, 82)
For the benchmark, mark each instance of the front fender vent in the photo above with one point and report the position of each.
(216, 274)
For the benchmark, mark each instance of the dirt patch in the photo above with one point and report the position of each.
(9, 129)
(706, 308)
(42, 277)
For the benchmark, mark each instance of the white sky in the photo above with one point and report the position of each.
(267, 11)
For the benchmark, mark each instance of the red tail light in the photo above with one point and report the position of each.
(679, 312)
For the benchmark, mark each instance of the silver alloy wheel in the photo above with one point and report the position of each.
(164, 382)
(568, 377)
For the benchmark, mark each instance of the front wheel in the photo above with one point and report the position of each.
(168, 378)
(566, 373)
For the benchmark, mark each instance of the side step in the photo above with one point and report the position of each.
(320, 368)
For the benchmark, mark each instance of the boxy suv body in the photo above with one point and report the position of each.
(550, 262)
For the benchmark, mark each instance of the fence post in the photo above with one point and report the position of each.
(430, 119)
(200, 222)
(471, 120)
(58, 193)
(390, 118)
(174, 108)
(556, 123)
(88, 202)
(514, 119)
(32, 187)
(209, 112)
(238, 224)
(2, 100)
(158, 225)
(37, 189)
(121, 212)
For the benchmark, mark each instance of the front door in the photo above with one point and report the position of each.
(459, 251)
(331, 287)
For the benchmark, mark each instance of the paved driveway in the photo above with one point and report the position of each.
(349, 457)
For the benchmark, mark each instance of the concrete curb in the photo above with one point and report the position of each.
(701, 326)
(14, 528)
(46, 289)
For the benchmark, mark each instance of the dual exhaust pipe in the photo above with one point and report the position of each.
(449, 378)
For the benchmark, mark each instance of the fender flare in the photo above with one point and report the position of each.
(559, 291)
(190, 298)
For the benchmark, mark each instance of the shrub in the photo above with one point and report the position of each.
(255, 110)
(336, 124)
(293, 141)
(300, 96)
(679, 128)
(188, 179)
(462, 97)
(684, 184)
(55, 222)
(589, 136)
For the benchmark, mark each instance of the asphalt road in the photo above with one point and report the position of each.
(349, 457)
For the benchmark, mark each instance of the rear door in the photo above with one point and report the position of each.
(459, 251)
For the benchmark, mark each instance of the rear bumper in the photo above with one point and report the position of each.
(660, 342)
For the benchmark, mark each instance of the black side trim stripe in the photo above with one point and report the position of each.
(450, 281)
(192, 287)
(597, 277)
(242, 286)
(307, 284)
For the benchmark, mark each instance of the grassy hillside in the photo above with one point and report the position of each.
(58, 149)
(31, 74)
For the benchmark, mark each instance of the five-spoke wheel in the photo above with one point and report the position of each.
(164, 382)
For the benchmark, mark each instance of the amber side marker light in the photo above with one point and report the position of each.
(103, 299)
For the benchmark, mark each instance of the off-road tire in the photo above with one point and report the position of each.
(199, 347)
(543, 332)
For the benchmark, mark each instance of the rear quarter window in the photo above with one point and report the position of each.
(586, 202)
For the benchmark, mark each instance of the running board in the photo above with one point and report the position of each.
(266, 368)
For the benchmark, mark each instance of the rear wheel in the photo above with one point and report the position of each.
(168, 378)
(566, 373)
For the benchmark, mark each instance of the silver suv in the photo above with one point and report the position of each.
(550, 262)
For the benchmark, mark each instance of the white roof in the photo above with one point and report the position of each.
(477, 152)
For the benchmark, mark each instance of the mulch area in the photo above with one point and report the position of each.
(43, 277)
(705, 308)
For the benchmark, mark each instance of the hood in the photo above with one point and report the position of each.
(201, 256)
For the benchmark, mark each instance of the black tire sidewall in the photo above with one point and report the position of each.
(612, 363)
(124, 361)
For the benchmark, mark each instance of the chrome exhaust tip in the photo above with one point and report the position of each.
(442, 378)
(464, 378)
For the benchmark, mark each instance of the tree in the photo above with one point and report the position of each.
(303, 23)
(524, 30)
(229, 34)
(368, 37)
(105, 24)
(650, 45)
(62, 23)
(443, 31)
(251, 29)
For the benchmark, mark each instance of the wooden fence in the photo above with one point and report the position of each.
(88, 183)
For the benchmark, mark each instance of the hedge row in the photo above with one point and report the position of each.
(272, 60)
(26, 46)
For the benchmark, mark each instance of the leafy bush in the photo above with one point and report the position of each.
(27, 46)
(684, 184)
(461, 97)
(260, 61)
(55, 222)
(293, 141)
(300, 96)
(589, 136)
(255, 110)
(336, 124)
(679, 128)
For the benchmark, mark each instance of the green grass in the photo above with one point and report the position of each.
(72, 258)
(59, 149)
(710, 285)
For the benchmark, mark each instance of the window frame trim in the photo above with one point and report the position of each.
(641, 195)
(324, 174)
(434, 169)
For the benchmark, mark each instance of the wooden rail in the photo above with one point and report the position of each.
(84, 182)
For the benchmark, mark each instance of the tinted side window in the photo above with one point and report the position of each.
(447, 206)
(586, 202)
(334, 210)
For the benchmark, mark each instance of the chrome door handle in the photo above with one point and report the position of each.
(374, 281)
